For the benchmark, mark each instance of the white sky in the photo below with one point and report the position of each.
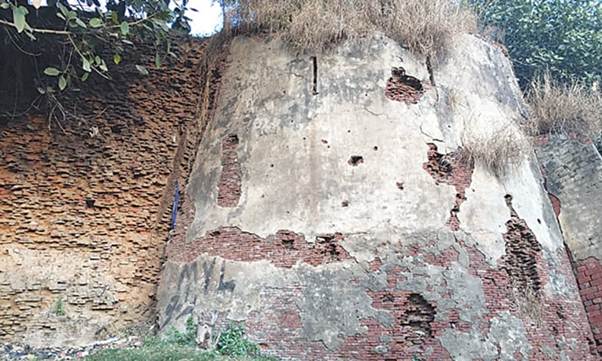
(207, 19)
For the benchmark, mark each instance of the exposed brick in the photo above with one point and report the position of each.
(591, 293)
(454, 170)
(284, 249)
(523, 254)
(229, 187)
(99, 192)
(403, 88)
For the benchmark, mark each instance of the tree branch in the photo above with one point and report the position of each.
(36, 30)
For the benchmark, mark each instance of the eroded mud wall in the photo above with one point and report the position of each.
(85, 203)
(331, 211)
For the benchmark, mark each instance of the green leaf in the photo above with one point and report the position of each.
(125, 28)
(117, 59)
(142, 70)
(4, 5)
(114, 17)
(86, 65)
(85, 76)
(95, 23)
(19, 13)
(50, 71)
(62, 83)
(103, 65)
(63, 9)
(80, 23)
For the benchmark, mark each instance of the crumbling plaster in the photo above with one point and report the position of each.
(294, 150)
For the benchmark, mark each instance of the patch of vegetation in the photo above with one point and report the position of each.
(425, 26)
(231, 345)
(498, 150)
(570, 107)
(186, 338)
(59, 307)
(51, 48)
(232, 342)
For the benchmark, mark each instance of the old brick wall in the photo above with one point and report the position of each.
(346, 224)
(573, 171)
(85, 202)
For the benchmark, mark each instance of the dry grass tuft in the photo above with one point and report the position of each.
(498, 150)
(564, 108)
(425, 26)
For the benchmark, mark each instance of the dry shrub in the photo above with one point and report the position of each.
(498, 150)
(564, 108)
(424, 26)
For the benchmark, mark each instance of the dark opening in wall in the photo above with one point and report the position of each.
(314, 65)
(356, 160)
(418, 318)
(403, 88)
(288, 243)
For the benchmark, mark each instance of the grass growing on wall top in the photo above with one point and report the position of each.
(425, 26)
(569, 107)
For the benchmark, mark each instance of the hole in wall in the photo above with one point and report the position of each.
(356, 160)
(90, 202)
(288, 243)
(403, 88)
(418, 319)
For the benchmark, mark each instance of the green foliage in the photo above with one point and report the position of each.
(59, 307)
(178, 345)
(81, 38)
(186, 338)
(160, 351)
(232, 342)
(563, 37)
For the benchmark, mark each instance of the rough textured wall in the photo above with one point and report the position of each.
(573, 172)
(330, 210)
(85, 212)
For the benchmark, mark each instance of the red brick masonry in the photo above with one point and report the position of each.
(589, 278)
